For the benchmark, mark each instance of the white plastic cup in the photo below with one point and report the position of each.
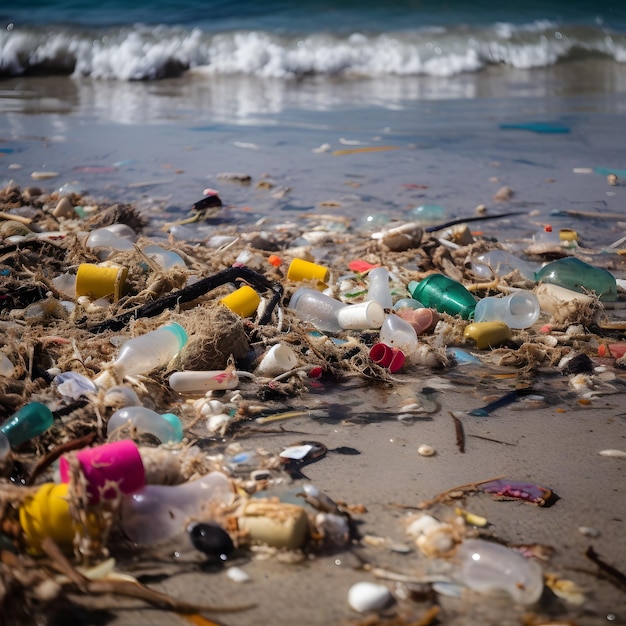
(517, 310)
(361, 316)
(378, 287)
(315, 307)
(279, 359)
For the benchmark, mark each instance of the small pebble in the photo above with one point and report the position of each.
(237, 575)
(588, 531)
(426, 450)
(366, 596)
(616, 454)
(43, 175)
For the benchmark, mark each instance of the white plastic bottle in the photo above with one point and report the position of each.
(143, 354)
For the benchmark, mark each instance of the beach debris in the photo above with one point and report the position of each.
(614, 454)
(365, 596)
(364, 150)
(505, 400)
(234, 177)
(615, 575)
(211, 539)
(426, 450)
(459, 431)
(504, 489)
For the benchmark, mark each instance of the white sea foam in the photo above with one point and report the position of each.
(142, 53)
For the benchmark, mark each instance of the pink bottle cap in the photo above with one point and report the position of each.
(109, 468)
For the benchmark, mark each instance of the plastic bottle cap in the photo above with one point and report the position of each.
(108, 468)
(30, 421)
(361, 316)
(179, 332)
(299, 269)
(96, 281)
(243, 301)
(487, 334)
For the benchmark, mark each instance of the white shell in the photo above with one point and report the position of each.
(617, 454)
(366, 596)
(237, 575)
(426, 450)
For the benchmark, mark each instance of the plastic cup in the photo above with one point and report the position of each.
(383, 355)
(299, 270)
(96, 281)
(243, 301)
(277, 360)
(443, 294)
(517, 310)
(361, 316)
(118, 463)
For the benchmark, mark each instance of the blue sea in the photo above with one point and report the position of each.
(150, 39)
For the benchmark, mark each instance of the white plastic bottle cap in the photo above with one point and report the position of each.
(278, 359)
(361, 316)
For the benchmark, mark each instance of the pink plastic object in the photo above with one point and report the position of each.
(383, 355)
(109, 469)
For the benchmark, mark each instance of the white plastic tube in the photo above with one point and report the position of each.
(202, 381)
(369, 314)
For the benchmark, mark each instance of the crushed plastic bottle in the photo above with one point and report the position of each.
(489, 567)
(499, 263)
(158, 512)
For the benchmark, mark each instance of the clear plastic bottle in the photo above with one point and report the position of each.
(517, 310)
(317, 308)
(398, 333)
(167, 259)
(378, 287)
(500, 263)
(489, 567)
(156, 348)
(158, 512)
(165, 428)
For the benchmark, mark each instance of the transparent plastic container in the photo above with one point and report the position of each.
(499, 263)
(398, 333)
(165, 428)
(167, 259)
(158, 512)
(317, 308)
(489, 567)
(155, 349)
(378, 287)
(517, 310)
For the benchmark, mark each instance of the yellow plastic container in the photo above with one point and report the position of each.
(487, 334)
(47, 514)
(97, 281)
(300, 270)
(244, 301)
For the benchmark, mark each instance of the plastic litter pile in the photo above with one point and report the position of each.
(131, 367)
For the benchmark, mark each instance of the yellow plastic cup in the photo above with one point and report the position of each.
(97, 281)
(299, 270)
(243, 301)
(487, 334)
(47, 514)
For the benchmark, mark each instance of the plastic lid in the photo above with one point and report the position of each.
(174, 422)
(179, 332)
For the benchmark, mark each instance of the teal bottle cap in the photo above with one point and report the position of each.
(177, 427)
(179, 332)
(30, 421)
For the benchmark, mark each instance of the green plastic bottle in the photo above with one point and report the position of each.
(574, 274)
(30, 421)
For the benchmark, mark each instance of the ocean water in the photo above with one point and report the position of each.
(152, 39)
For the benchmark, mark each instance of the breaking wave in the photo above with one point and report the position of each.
(147, 53)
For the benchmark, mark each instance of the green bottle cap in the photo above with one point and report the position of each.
(174, 422)
(443, 294)
(179, 332)
(30, 421)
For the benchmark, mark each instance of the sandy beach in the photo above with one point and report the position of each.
(310, 154)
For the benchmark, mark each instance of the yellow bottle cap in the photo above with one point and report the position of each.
(244, 301)
(487, 334)
(299, 269)
(567, 234)
(47, 514)
(97, 281)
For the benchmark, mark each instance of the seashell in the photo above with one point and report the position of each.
(10, 228)
(218, 423)
(238, 575)
(426, 450)
(64, 208)
(437, 542)
(589, 531)
(616, 454)
(366, 596)
(504, 194)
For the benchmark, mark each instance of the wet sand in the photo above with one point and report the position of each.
(449, 152)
